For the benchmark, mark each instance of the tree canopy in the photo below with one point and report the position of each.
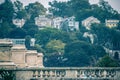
(82, 9)
(34, 10)
(106, 61)
(80, 53)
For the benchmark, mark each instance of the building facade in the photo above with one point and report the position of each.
(19, 22)
(18, 56)
(42, 21)
(89, 21)
(69, 24)
(111, 23)
(57, 22)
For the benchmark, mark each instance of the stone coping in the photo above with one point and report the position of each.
(61, 68)
(2, 63)
(18, 47)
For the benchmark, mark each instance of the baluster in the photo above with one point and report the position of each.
(97, 73)
(78, 73)
(88, 73)
(113, 73)
(47, 73)
(43, 74)
(54, 73)
(107, 75)
(100, 73)
(104, 73)
(51, 73)
(39, 75)
(57, 73)
(92, 73)
(110, 74)
(63, 73)
(82, 74)
(34, 74)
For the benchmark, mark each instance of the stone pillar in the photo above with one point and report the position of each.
(31, 58)
(5, 53)
(40, 60)
(18, 55)
(34, 59)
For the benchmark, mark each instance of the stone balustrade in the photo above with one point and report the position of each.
(67, 73)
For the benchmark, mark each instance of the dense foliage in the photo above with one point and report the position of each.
(61, 48)
(82, 9)
(107, 61)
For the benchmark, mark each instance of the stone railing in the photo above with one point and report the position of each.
(65, 73)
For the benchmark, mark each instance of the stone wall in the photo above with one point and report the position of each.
(5, 47)
(18, 56)
(67, 73)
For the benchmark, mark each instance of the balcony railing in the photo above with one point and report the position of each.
(67, 73)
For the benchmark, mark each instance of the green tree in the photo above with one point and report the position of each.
(39, 48)
(20, 11)
(118, 27)
(80, 53)
(27, 41)
(34, 10)
(55, 46)
(5, 29)
(104, 11)
(60, 9)
(81, 9)
(17, 33)
(6, 24)
(5, 8)
(31, 28)
(18, 5)
(99, 30)
(48, 34)
(111, 38)
(54, 60)
(107, 61)
(7, 75)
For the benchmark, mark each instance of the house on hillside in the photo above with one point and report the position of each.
(57, 22)
(89, 21)
(111, 23)
(42, 21)
(18, 22)
(69, 24)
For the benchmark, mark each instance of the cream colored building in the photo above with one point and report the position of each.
(18, 55)
(42, 21)
(88, 21)
(111, 23)
(19, 22)
(57, 22)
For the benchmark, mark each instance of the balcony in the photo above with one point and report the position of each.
(66, 73)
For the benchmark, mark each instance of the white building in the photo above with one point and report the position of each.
(90, 36)
(19, 22)
(57, 22)
(69, 24)
(90, 20)
(43, 21)
(111, 23)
